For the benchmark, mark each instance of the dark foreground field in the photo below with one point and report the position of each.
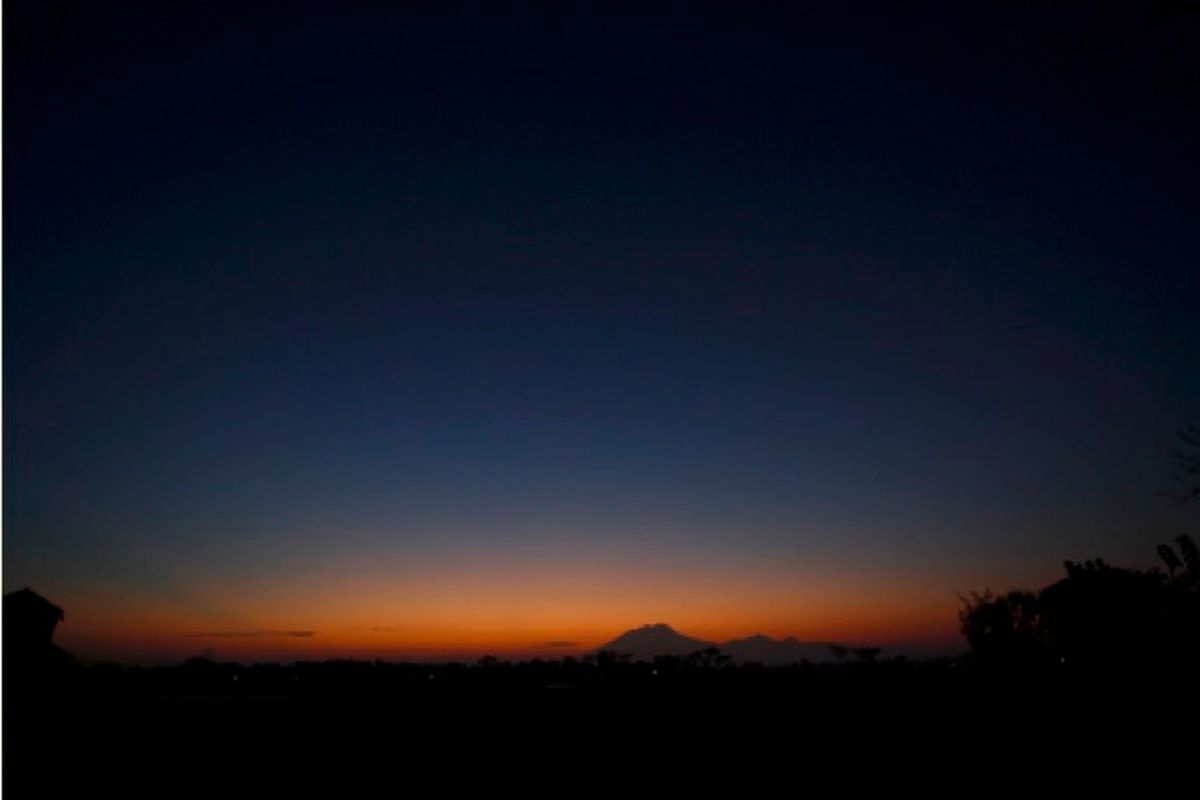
(140, 730)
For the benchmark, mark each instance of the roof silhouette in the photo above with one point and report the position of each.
(29, 599)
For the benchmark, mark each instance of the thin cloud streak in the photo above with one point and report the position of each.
(250, 634)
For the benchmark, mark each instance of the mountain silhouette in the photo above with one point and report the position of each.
(776, 652)
(648, 641)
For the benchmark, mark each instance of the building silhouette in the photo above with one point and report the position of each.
(30, 654)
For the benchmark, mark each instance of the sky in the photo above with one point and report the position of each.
(405, 330)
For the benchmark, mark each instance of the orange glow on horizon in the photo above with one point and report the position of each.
(466, 611)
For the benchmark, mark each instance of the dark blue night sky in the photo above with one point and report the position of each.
(801, 320)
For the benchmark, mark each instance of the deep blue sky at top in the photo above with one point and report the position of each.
(911, 282)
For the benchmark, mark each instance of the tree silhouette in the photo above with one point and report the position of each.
(1169, 558)
(867, 655)
(1003, 629)
(1099, 617)
(1191, 554)
(710, 658)
(1185, 457)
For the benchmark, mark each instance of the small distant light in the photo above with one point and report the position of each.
(430, 677)
(1062, 660)
(653, 672)
(235, 677)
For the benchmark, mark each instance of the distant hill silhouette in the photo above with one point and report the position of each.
(649, 641)
(776, 652)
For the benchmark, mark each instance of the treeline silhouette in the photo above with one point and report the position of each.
(1074, 662)
(220, 713)
(1103, 661)
(1098, 619)
(205, 677)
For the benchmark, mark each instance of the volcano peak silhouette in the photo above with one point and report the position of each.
(659, 639)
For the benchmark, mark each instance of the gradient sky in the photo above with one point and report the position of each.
(447, 331)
